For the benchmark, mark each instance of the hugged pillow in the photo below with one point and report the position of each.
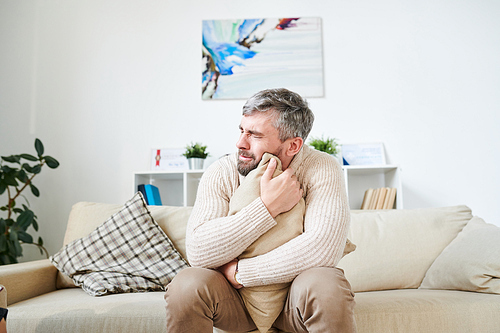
(127, 253)
(264, 303)
(396, 247)
(471, 262)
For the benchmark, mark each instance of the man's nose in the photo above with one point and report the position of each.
(242, 142)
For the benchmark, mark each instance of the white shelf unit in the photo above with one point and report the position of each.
(359, 178)
(177, 188)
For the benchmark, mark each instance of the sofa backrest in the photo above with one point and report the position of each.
(86, 216)
(395, 248)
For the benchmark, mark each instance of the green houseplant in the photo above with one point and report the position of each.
(196, 154)
(17, 175)
(196, 150)
(328, 145)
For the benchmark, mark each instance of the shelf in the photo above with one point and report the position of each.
(178, 188)
(360, 178)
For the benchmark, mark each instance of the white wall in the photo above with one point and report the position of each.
(101, 83)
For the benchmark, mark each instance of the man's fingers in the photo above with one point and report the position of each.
(271, 166)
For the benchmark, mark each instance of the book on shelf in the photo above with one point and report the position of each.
(380, 198)
(367, 198)
(151, 194)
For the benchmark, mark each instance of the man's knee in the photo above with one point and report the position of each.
(324, 285)
(192, 282)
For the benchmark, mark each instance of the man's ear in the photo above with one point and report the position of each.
(294, 145)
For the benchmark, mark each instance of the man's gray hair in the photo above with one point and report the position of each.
(293, 118)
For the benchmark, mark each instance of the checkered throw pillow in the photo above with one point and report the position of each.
(127, 253)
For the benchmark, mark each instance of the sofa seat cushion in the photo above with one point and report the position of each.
(414, 310)
(395, 248)
(72, 310)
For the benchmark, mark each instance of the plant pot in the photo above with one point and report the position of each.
(196, 163)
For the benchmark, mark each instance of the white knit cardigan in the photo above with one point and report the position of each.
(213, 238)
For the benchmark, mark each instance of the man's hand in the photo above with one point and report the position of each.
(229, 270)
(279, 194)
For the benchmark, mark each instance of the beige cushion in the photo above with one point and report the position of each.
(264, 303)
(395, 248)
(471, 262)
(86, 216)
(422, 311)
(129, 252)
(72, 310)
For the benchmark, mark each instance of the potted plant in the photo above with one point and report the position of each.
(196, 154)
(15, 177)
(328, 145)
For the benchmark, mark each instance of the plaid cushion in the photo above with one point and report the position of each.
(127, 253)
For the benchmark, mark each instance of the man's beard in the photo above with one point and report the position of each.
(244, 168)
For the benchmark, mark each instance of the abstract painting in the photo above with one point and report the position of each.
(242, 57)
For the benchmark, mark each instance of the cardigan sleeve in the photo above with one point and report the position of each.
(212, 237)
(326, 224)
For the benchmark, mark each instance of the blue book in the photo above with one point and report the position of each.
(153, 195)
(141, 189)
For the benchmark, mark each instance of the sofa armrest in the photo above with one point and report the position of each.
(28, 279)
(3, 297)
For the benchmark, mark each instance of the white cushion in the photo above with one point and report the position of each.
(471, 262)
(395, 248)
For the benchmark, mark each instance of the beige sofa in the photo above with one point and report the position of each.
(399, 252)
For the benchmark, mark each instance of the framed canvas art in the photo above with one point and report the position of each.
(242, 57)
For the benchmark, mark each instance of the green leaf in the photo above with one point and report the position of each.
(39, 147)
(9, 179)
(3, 187)
(9, 222)
(18, 249)
(40, 241)
(7, 169)
(13, 236)
(25, 219)
(51, 162)
(34, 190)
(3, 243)
(29, 157)
(3, 227)
(22, 176)
(35, 225)
(36, 169)
(12, 158)
(25, 237)
(27, 167)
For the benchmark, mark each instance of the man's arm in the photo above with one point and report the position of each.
(325, 228)
(213, 238)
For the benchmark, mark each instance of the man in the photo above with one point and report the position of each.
(320, 299)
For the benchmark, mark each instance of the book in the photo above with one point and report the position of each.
(151, 194)
(367, 198)
(141, 189)
(381, 198)
(390, 199)
(373, 201)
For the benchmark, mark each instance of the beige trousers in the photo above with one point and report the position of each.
(320, 300)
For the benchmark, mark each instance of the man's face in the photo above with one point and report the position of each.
(257, 137)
